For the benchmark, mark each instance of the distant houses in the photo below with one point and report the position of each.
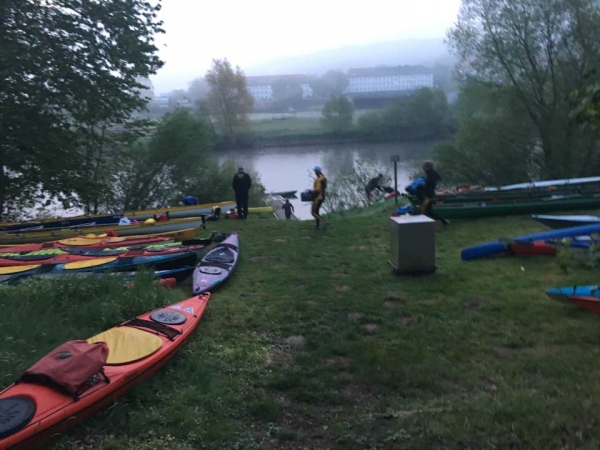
(388, 80)
(261, 87)
(366, 86)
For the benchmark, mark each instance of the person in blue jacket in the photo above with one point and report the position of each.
(190, 200)
(427, 192)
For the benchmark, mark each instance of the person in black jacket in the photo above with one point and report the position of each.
(241, 186)
(428, 192)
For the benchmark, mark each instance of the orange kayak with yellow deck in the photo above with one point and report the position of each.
(43, 404)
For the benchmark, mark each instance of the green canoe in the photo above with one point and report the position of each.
(471, 210)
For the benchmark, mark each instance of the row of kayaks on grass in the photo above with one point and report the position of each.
(485, 209)
(517, 192)
(79, 378)
(540, 243)
(104, 220)
(210, 267)
(170, 226)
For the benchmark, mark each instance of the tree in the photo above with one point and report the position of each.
(286, 94)
(490, 147)
(587, 108)
(334, 82)
(152, 174)
(198, 89)
(536, 52)
(68, 69)
(337, 114)
(229, 100)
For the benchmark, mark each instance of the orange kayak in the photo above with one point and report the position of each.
(44, 403)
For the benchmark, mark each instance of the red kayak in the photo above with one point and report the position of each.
(83, 255)
(535, 248)
(79, 378)
(590, 303)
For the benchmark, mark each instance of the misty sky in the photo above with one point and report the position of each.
(250, 32)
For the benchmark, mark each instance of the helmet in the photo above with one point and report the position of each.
(317, 168)
(150, 221)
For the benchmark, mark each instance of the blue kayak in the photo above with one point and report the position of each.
(591, 290)
(491, 248)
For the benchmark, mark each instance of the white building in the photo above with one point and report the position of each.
(388, 79)
(261, 87)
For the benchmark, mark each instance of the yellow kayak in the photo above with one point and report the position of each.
(176, 212)
(170, 226)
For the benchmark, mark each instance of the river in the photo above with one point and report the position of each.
(290, 168)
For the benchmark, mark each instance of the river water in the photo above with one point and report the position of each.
(290, 168)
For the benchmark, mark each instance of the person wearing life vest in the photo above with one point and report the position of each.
(318, 193)
(373, 184)
(428, 192)
(241, 186)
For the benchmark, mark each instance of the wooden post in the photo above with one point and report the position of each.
(395, 159)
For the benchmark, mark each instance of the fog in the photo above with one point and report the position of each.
(269, 36)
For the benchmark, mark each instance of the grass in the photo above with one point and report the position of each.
(314, 344)
(289, 127)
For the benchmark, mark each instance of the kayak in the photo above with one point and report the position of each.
(535, 248)
(490, 248)
(217, 265)
(95, 241)
(484, 209)
(177, 274)
(177, 212)
(554, 221)
(284, 194)
(69, 255)
(12, 274)
(121, 231)
(590, 303)
(591, 290)
(80, 378)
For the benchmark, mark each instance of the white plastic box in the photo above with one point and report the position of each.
(412, 244)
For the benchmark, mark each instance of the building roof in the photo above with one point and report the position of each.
(270, 79)
(386, 71)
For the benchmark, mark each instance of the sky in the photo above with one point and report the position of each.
(251, 32)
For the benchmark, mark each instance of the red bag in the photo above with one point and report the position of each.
(72, 367)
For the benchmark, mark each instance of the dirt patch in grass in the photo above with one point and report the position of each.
(280, 241)
(338, 362)
(393, 302)
(311, 303)
(371, 327)
(474, 304)
(502, 352)
(355, 316)
(262, 258)
(406, 321)
(295, 341)
(343, 288)
(278, 355)
(338, 275)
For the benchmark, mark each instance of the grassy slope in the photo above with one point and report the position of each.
(475, 356)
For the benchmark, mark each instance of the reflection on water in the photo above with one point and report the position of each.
(290, 168)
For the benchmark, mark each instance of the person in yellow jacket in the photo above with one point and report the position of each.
(318, 192)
